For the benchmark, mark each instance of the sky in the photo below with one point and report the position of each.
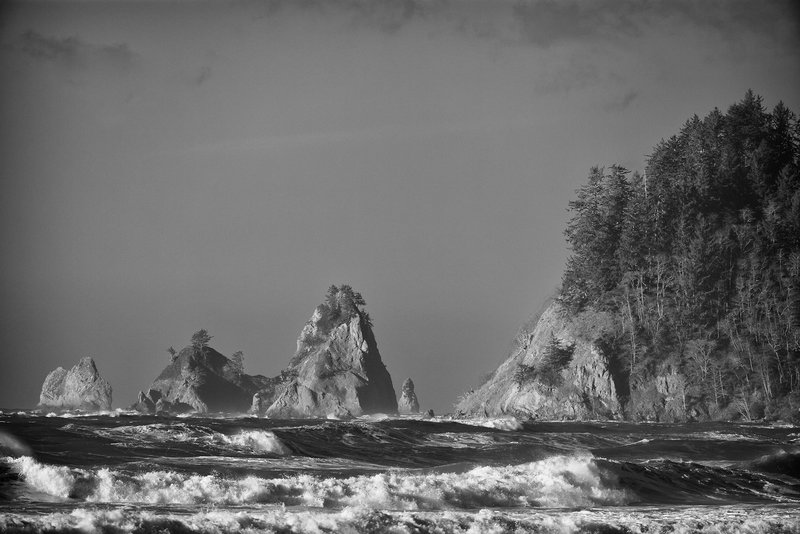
(171, 166)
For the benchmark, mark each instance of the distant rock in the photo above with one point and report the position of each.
(144, 403)
(202, 380)
(336, 371)
(81, 387)
(558, 372)
(408, 402)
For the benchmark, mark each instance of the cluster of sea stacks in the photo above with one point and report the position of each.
(336, 371)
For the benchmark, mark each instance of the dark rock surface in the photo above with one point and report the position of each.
(201, 380)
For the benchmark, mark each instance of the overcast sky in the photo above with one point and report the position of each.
(171, 166)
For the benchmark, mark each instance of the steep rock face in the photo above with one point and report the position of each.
(583, 388)
(408, 402)
(81, 387)
(202, 380)
(336, 371)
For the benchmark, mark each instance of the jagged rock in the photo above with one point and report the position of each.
(144, 404)
(408, 402)
(336, 371)
(584, 388)
(257, 405)
(81, 387)
(202, 380)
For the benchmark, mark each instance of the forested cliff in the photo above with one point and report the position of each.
(698, 261)
(681, 297)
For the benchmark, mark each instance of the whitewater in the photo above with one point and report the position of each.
(122, 472)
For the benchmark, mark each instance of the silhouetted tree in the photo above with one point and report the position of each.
(237, 361)
(200, 340)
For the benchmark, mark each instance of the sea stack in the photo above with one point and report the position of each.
(81, 387)
(408, 402)
(336, 371)
(200, 379)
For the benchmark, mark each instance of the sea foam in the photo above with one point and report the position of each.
(724, 520)
(560, 481)
(262, 441)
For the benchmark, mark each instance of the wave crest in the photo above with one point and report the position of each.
(560, 481)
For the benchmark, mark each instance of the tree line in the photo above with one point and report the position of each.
(697, 259)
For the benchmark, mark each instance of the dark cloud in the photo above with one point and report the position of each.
(202, 75)
(549, 22)
(622, 102)
(72, 51)
(546, 23)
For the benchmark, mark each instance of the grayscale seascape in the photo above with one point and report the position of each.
(400, 266)
(122, 472)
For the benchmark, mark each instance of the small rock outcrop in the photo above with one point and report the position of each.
(200, 379)
(336, 371)
(558, 372)
(81, 387)
(408, 402)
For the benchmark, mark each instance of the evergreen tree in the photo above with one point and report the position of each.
(698, 258)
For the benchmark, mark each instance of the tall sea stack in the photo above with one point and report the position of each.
(336, 371)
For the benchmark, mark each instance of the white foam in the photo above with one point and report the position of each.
(257, 440)
(509, 423)
(53, 480)
(357, 519)
(561, 481)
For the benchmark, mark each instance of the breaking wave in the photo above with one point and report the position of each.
(773, 520)
(157, 435)
(561, 481)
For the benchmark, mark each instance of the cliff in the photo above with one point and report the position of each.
(202, 380)
(81, 387)
(336, 370)
(558, 372)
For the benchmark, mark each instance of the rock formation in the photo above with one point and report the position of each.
(557, 372)
(81, 387)
(336, 371)
(202, 380)
(408, 402)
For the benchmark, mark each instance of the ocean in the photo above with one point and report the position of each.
(119, 472)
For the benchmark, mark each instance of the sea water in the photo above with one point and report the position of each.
(121, 472)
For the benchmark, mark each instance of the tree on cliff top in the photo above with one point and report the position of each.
(698, 258)
(200, 340)
(237, 361)
(341, 304)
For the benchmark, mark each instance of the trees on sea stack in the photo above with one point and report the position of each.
(698, 258)
(200, 340)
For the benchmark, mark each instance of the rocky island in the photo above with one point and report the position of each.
(81, 387)
(200, 379)
(336, 371)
